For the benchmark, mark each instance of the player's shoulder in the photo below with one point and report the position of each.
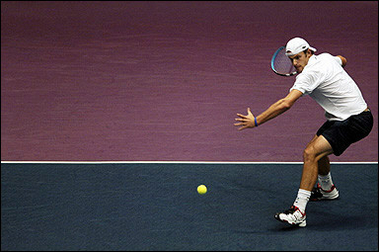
(316, 66)
(324, 55)
(327, 57)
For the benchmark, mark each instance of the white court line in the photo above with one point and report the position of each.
(163, 162)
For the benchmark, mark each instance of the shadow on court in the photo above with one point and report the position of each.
(156, 207)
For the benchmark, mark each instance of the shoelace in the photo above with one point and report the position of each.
(291, 210)
(317, 191)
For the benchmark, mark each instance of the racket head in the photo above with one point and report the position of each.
(281, 64)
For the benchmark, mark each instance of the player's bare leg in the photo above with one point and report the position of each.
(324, 166)
(325, 189)
(323, 163)
(314, 154)
(316, 151)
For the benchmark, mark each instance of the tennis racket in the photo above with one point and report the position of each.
(281, 64)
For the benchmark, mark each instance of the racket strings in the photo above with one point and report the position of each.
(283, 64)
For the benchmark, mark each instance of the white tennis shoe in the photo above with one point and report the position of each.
(319, 194)
(292, 216)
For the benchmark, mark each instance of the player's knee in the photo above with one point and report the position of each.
(309, 154)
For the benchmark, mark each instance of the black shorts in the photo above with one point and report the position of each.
(341, 134)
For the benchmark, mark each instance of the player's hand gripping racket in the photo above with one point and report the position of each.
(281, 64)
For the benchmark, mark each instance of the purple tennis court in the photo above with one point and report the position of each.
(163, 81)
(148, 81)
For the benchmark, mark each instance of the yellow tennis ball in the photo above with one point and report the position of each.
(201, 189)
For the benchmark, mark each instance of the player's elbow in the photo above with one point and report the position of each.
(343, 59)
(285, 104)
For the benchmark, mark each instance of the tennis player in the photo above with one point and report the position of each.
(349, 120)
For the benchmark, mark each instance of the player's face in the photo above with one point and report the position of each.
(300, 60)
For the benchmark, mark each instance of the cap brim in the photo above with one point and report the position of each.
(312, 49)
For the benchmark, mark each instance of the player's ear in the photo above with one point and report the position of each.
(308, 53)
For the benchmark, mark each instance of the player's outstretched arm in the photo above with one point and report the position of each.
(279, 107)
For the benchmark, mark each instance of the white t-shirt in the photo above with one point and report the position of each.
(324, 79)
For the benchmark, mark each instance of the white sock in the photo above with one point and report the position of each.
(326, 181)
(302, 199)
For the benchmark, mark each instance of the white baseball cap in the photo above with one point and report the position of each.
(297, 45)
